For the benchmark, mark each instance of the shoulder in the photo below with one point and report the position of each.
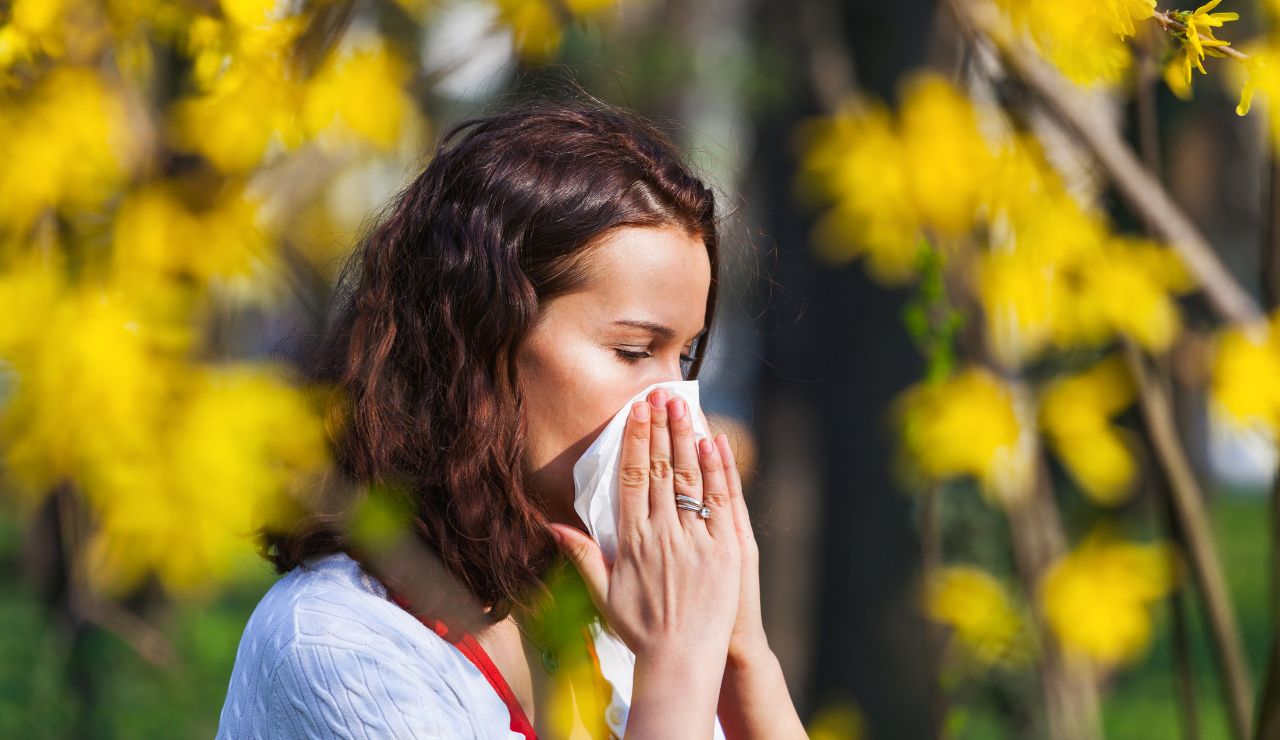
(325, 648)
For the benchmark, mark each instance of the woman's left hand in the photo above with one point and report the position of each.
(748, 636)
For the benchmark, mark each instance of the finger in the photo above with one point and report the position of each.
(633, 471)
(715, 491)
(586, 556)
(737, 502)
(686, 468)
(662, 498)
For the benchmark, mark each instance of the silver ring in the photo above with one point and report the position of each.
(689, 503)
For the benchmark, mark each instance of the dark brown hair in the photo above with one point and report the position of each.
(430, 308)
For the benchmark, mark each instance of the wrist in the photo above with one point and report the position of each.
(682, 659)
(670, 684)
(747, 653)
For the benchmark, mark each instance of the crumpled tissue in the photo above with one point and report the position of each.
(595, 480)
(595, 474)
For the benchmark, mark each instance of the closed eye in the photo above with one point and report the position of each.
(630, 356)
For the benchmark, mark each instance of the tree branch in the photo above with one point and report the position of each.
(1141, 190)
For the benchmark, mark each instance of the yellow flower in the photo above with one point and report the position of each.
(981, 613)
(1254, 69)
(241, 440)
(1129, 285)
(66, 142)
(31, 287)
(1246, 375)
(841, 158)
(1124, 12)
(1084, 41)
(360, 94)
(249, 12)
(1197, 41)
(177, 463)
(1200, 24)
(947, 159)
(1258, 76)
(970, 425)
(1097, 598)
(93, 386)
(1075, 414)
(1177, 73)
(1056, 277)
(159, 234)
(1028, 282)
(891, 181)
(242, 114)
(248, 99)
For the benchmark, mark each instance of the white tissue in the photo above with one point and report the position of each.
(595, 480)
(595, 474)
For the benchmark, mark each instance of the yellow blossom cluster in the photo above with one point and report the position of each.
(968, 425)
(890, 180)
(1085, 41)
(1075, 413)
(1053, 275)
(1196, 41)
(116, 248)
(1097, 598)
(1245, 384)
(178, 461)
(252, 100)
(77, 31)
(981, 613)
(64, 141)
(975, 424)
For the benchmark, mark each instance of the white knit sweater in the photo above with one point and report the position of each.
(326, 655)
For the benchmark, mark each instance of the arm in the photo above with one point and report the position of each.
(674, 695)
(754, 701)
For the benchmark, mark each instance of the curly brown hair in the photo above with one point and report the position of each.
(438, 294)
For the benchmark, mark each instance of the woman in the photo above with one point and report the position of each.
(546, 267)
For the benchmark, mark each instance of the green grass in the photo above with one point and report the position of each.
(96, 686)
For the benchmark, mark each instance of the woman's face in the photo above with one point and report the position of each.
(647, 298)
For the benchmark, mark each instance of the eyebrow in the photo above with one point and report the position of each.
(661, 330)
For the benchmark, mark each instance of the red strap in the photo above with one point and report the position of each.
(475, 653)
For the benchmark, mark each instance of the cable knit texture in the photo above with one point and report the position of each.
(326, 654)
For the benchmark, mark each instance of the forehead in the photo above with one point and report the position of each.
(660, 274)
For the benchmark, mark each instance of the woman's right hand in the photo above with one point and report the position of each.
(671, 593)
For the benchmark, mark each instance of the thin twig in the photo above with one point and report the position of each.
(146, 640)
(1194, 525)
(1161, 499)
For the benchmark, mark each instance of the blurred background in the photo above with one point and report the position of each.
(996, 322)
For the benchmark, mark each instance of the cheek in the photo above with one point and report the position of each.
(571, 396)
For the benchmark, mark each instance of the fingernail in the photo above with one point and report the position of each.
(677, 409)
(640, 412)
(659, 398)
(704, 445)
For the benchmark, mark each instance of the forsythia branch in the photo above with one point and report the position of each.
(1144, 193)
